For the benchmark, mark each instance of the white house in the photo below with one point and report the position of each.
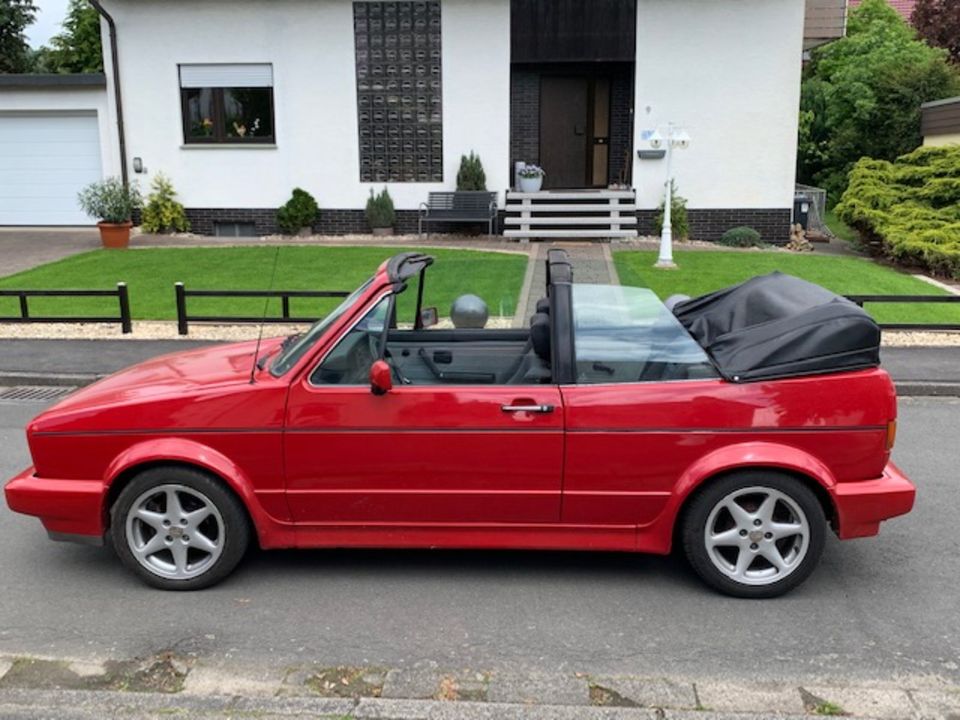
(240, 101)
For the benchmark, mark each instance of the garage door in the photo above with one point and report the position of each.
(45, 159)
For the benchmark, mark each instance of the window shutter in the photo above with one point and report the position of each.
(226, 75)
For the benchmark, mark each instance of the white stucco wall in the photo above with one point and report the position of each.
(59, 100)
(729, 72)
(310, 45)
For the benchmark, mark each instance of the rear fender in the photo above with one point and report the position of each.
(741, 456)
(190, 452)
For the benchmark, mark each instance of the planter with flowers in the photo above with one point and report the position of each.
(113, 203)
(531, 178)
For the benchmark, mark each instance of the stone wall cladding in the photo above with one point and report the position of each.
(708, 225)
(331, 221)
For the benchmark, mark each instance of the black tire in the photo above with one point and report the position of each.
(698, 513)
(232, 527)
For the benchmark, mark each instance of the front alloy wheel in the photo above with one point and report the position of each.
(754, 534)
(178, 528)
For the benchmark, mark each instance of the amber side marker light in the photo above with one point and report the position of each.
(891, 434)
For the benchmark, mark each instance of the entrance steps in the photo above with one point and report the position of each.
(571, 214)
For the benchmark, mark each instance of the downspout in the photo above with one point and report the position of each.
(118, 100)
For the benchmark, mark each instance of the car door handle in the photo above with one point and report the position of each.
(527, 408)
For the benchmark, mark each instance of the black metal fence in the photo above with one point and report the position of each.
(184, 318)
(25, 316)
(951, 299)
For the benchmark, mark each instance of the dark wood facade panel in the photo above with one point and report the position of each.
(573, 31)
(941, 119)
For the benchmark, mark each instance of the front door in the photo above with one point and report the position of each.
(563, 130)
(421, 454)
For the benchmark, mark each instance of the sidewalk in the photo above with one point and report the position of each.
(915, 370)
(173, 684)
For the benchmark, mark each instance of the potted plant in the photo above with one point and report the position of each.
(531, 178)
(297, 215)
(471, 176)
(113, 203)
(380, 213)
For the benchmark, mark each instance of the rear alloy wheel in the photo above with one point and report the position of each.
(179, 529)
(754, 534)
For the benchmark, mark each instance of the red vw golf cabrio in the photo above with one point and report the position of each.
(737, 426)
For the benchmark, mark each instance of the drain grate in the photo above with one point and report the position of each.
(34, 393)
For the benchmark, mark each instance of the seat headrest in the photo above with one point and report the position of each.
(540, 335)
(543, 305)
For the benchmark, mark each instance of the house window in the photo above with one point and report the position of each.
(399, 90)
(227, 103)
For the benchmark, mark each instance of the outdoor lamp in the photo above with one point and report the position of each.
(656, 140)
(676, 138)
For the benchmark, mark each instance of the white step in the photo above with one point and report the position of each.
(571, 195)
(566, 207)
(572, 220)
(579, 233)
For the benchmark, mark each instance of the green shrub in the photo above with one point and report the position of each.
(679, 223)
(110, 201)
(298, 212)
(380, 213)
(162, 212)
(471, 175)
(910, 206)
(741, 237)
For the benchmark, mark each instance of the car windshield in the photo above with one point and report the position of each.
(626, 334)
(289, 356)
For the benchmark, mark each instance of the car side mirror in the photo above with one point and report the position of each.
(381, 378)
(429, 317)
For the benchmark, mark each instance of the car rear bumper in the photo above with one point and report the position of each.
(68, 509)
(862, 506)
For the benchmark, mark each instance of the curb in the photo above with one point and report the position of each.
(905, 388)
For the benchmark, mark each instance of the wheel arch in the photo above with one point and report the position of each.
(185, 454)
(802, 466)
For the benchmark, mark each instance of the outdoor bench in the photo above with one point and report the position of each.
(467, 206)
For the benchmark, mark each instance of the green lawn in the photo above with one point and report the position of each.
(702, 272)
(151, 273)
(839, 228)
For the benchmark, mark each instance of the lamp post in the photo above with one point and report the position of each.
(675, 138)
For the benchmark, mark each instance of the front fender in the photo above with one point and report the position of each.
(190, 452)
(659, 536)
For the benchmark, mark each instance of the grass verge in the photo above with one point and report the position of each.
(700, 272)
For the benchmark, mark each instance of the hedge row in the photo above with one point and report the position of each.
(911, 206)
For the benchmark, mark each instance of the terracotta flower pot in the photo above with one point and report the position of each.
(115, 235)
(382, 231)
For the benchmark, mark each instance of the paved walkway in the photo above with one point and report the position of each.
(24, 248)
(592, 263)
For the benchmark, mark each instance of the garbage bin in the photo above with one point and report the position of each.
(801, 210)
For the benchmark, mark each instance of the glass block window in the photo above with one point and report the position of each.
(399, 90)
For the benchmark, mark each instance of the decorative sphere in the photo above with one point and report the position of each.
(469, 311)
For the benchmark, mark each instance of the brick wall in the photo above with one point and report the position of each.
(331, 221)
(708, 225)
(524, 118)
(621, 124)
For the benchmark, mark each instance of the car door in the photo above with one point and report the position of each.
(420, 454)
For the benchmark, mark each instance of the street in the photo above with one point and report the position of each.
(875, 609)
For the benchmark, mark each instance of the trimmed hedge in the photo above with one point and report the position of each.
(911, 206)
(741, 237)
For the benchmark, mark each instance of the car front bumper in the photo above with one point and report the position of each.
(69, 509)
(862, 506)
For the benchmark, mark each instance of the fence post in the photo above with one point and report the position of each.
(286, 307)
(126, 325)
(182, 327)
(24, 310)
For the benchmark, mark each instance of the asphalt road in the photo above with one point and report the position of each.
(876, 609)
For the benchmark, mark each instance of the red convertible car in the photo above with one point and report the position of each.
(736, 426)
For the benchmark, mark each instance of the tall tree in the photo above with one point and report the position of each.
(15, 17)
(861, 95)
(77, 49)
(938, 22)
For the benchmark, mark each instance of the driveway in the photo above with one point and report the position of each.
(25, 248)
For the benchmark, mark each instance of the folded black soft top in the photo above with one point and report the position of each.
(777, 325)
